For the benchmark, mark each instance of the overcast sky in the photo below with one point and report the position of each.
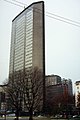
(62, 39)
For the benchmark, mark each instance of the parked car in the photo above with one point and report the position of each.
(76, 116)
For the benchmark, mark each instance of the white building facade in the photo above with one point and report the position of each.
(77, 91)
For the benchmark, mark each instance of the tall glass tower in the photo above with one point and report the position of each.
(28, 39)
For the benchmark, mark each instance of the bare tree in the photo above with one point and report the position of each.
(59, 103)
(14, 93)
(33, 90)
(26, 87)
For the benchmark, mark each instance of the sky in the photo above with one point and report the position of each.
(62, 40)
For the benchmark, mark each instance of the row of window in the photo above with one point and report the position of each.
(29, 27)
(17, 56)
(30, 20)
(18, 49)
(28, 52)
(18, 68)
(18, 59)
(19, 52)
(28, 59)
(29, 40)
(20, 29)
(29, 15)
(21, 36)
(29, 24)
(28, 65)
(29, 30)
(19, 46)
(19, 25)
(29, 37)
(29, 34)
(28, 56)
(20, 32)
(18, 64)
(28, 62)
(20, 40)
(30, 10)
(21, 20)
(28, 44)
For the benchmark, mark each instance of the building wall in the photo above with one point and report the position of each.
(60, 89)
(53, 90)
(27, 39)
(68, 82)
(53, 80)
(77, 91)
(38, 37)
(28, 42)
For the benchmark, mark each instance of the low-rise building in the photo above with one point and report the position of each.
(53, 80)
(57, 90)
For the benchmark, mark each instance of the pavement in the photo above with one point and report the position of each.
(12, 118)
(36, 118)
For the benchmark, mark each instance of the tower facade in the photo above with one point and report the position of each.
(28, 39)
(28, 42)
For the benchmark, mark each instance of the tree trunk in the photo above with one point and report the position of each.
(17, 115)
(30, 118)
(30, 114)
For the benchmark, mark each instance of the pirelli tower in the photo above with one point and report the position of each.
(28, 39)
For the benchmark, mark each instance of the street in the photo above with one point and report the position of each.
(37, 118)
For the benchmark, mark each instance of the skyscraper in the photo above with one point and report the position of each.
(28, 39)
